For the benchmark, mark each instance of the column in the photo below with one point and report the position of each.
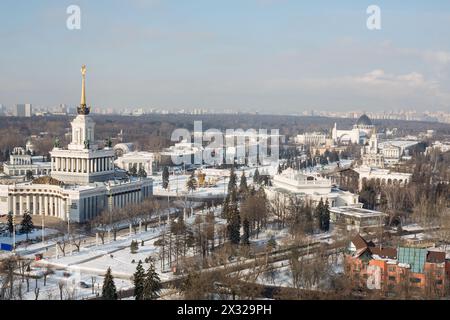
(95, 165)
(29, 203)
(20, 205)
(46, 213)
(14, 205)
(41, 205)
(58, 207)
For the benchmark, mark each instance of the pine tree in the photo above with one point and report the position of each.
(243, 187)
(191, 184)
(256, 177)
(109, 288)
(29, 175)
(308, 226)
(232, 184)
(318, 213)
(234, 220)
(142, 173)
(326, 217)
(133, 171)
(246, 235)
(139, 279)
(234, 227)
(10, 223)
(27, 223)
(165, 177)
(152, 284)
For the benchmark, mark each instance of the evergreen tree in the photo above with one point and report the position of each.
(139, 280)
(243, 187)
(165, 177)
(308, 226)
(142, 173)
(152, 284)
(246, 235)
(109, 288)
(326, 217)
(279, 169)
(234, 220)
(10, 223)
(133, 171)
(27, 223)
(256, 176)
(318, 213)
(232, 184)
(29, 175)
(225, 207)
(191, 184)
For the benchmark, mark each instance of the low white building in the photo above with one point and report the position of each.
(21, 161)
(311, 138)
(310, 186)
(138, 159)
(382, 176)
(357, 219)
(441, 146)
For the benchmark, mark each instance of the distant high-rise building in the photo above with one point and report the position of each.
(23, 110)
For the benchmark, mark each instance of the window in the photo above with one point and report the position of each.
(391, 278)
(414, 280)
(438, 282)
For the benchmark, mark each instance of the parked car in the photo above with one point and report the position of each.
(84, 285)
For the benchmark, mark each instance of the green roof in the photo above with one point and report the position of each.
(415, 257)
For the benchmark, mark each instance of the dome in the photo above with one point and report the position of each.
(364, 120)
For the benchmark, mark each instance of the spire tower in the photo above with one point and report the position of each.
(83, 108)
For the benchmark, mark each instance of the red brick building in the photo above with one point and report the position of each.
(415, 270)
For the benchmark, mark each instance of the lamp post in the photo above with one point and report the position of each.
(14, 233)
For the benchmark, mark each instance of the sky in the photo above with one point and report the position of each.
(269, 56)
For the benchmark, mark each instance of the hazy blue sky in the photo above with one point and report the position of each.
(262, 55)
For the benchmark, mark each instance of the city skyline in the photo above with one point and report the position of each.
(252, 56)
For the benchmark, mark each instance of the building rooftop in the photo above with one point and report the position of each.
(364, 120)
(357, 212)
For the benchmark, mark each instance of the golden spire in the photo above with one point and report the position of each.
(83, 109)
(83, 85)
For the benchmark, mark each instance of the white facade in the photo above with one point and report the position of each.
(441, 146)
(82, 162)
(311, 138)
(313, 188)
(140, 160)
(359, 134)
(382, 176)
(21, 161)
(82, 181)
(79, 203)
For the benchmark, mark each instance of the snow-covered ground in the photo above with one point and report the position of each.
(35, 234)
